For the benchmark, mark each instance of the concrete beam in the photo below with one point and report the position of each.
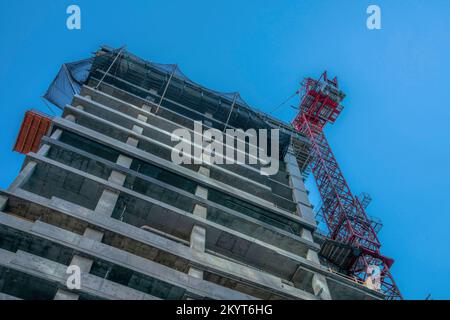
(4, 297)
(23, 176)
(252, 245)
(205, 261)
(122, 258)
(159, 129)
(45, 148)
(56, 273)
(178, 169)
(231, 218)
(3, 202)
(238, 221)
(62, 294)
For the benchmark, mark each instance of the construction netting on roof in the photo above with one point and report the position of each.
(126, 71)
(68, 82)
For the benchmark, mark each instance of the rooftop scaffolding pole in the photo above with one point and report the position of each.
(109, 68)
(231, 111)
(167, 86)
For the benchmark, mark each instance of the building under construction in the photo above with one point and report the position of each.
(98, 190)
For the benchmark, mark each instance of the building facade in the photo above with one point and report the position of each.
(101, 193)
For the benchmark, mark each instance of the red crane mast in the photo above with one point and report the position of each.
(345, 217)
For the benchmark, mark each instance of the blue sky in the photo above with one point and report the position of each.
(392, 139)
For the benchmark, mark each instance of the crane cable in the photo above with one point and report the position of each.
(284, 102)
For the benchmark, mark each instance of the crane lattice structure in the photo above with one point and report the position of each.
(344, 214)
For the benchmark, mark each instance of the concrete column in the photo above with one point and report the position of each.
(93, 234)
(198, 238)
(201, 192)
(85, 266)
(70, 117)
(107, 202)
(299, 193)
(204, 171)
(320, 287)
(83, 263)
(137, 129)
(3, 202)
(208, 123)
(43, 151)
(197, 243)
(124, 161)
(108, 199)
(142, 118)
(319, 282)
(147, 108)
(200, 211)
(56, 134)
(23, 176)
(304, 208)
(133, 142)
(117, 178)
(307, 235)
(196, 273)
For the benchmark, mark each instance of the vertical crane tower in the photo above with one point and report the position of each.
(344, 215)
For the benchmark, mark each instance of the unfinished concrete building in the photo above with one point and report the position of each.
(100, 191)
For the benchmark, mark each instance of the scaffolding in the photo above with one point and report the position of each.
(165, 83)
(160, 84)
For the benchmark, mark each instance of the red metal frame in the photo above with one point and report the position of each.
(343, 213)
